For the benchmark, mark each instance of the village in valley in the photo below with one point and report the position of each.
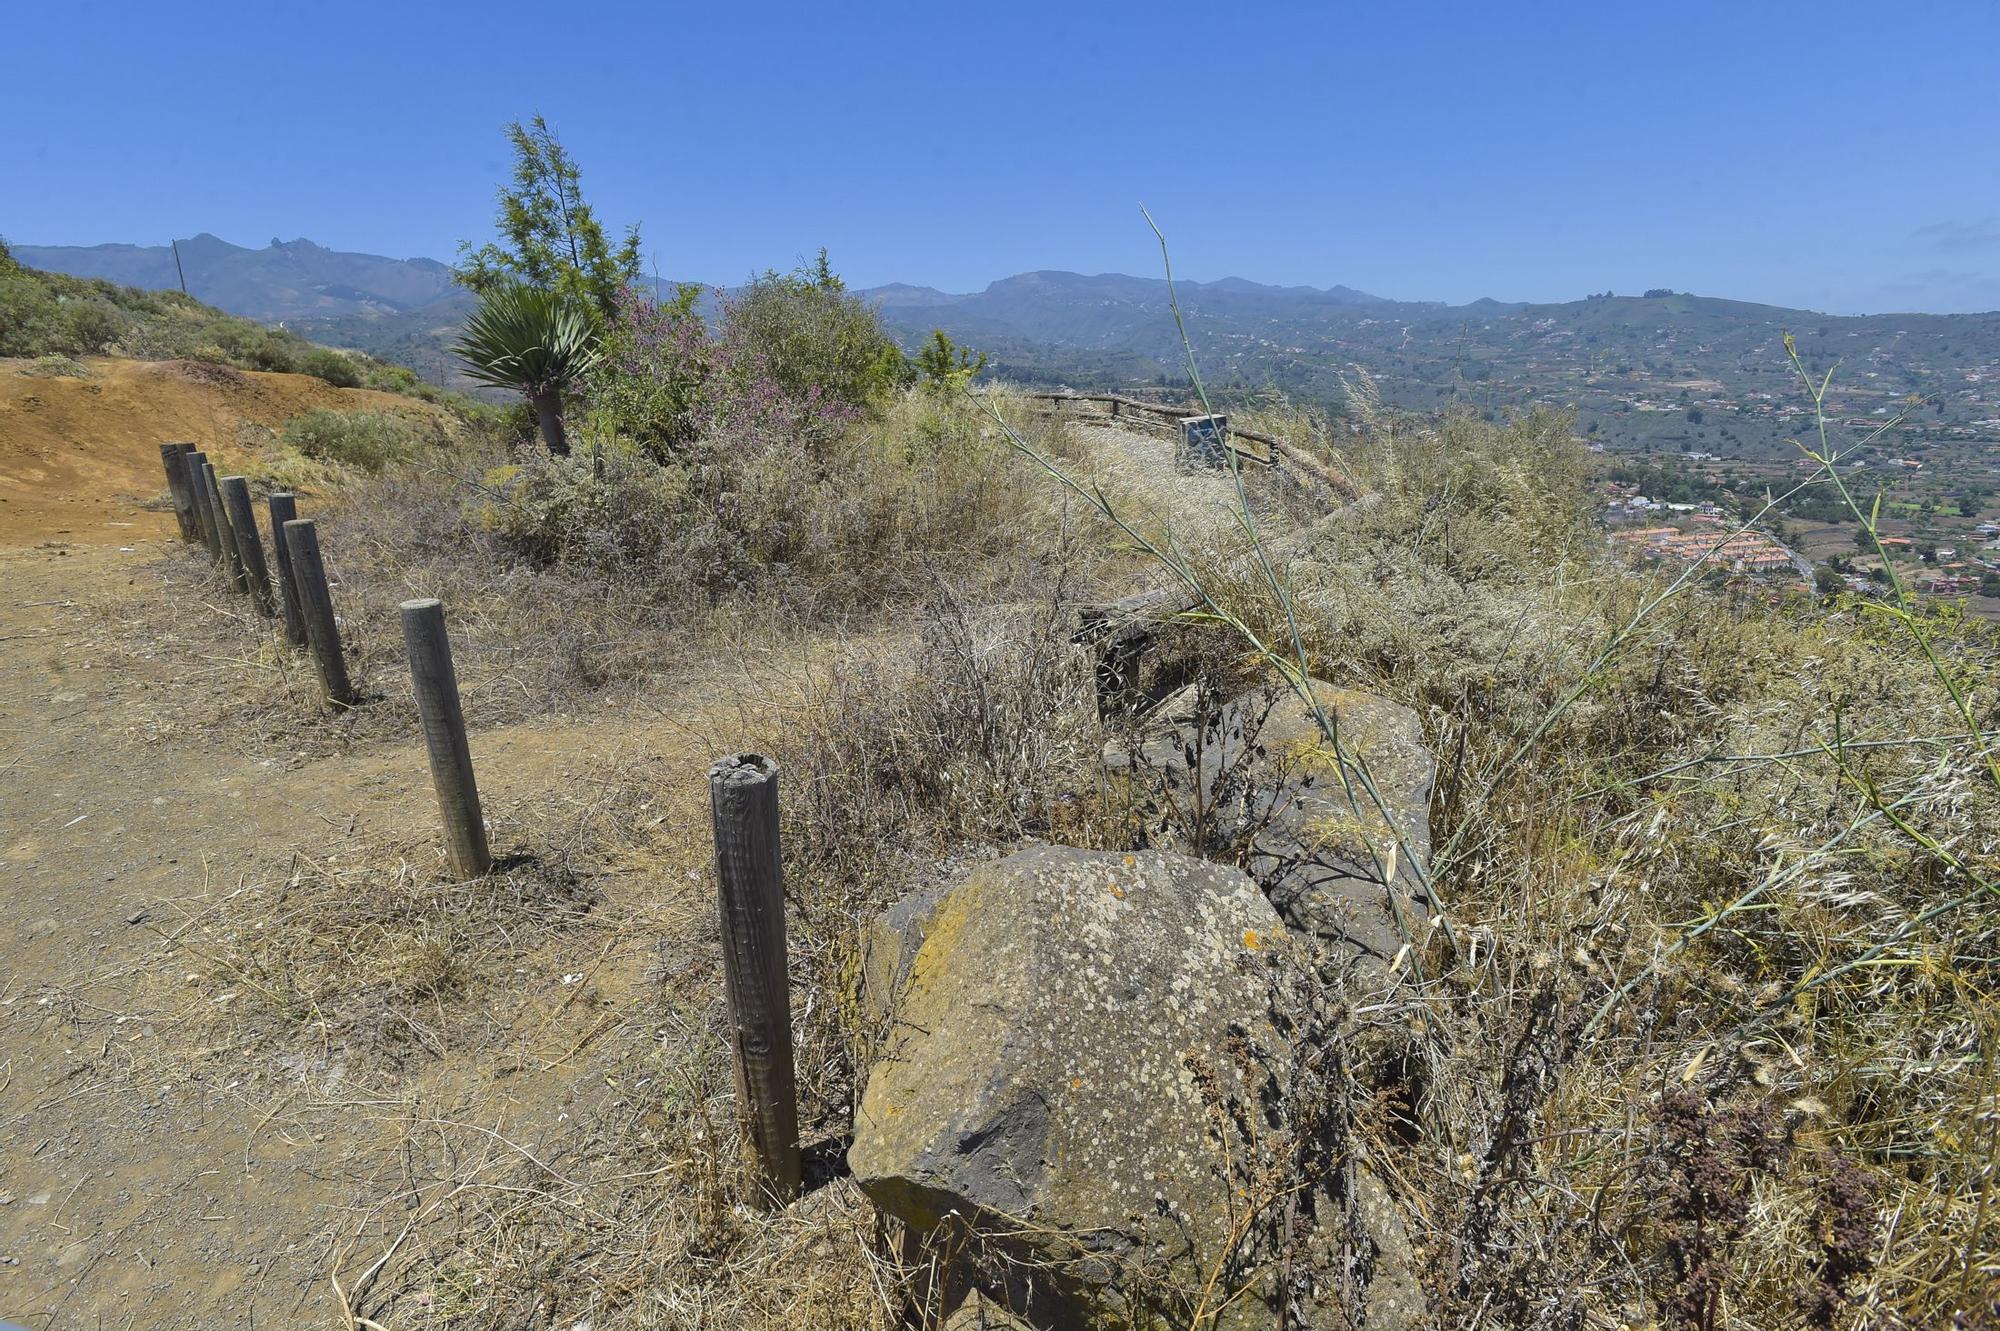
(1781, 558)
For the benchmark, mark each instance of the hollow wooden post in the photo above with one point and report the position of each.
(316, 603)
(191, 464)
(743, 798)
(249, 545)
(284, 507)
(225, 530)
(444, 735)
(177, 489)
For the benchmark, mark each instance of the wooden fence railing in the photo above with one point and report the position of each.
(1165, 416)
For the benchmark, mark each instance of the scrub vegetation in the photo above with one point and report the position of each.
(1701, 1032)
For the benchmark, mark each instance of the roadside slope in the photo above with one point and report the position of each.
(79, 457)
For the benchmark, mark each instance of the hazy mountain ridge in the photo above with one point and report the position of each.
(284, 280)
(1668, 370)
(1665, 370)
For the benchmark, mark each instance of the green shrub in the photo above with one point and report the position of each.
(25, 311)
(369, 440)
(807, 334)
(388, 378)
(330, 365)
(93, 327)
(57, 367)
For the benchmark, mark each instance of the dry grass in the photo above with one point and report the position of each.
(362, 967)
(1783, 1114)
(1714, 1044)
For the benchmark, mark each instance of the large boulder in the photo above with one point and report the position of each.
(1254, 778)
(1081, 1081)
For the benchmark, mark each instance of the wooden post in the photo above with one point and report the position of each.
(249, 545)
(225, 531)
(191, 464)
(284, 507)
(177, 490)
(743, 798)
(187, 450)
(444, 735)
(316, 603)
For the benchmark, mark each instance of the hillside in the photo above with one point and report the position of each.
(57, 316)
(285, 280)
(1667, 372)
(1664, 372)
(78, 450)
(1558, 911)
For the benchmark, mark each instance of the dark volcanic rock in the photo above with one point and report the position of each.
(1256, 779)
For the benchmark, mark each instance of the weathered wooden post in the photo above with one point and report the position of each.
(444, 735)
(177, 489)
(225, 530)
(191, 464)
(284, 507)
(249, 545)
(316, 603)
(187, 451)
(743, 798)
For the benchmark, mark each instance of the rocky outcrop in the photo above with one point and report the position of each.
(1082, 1078)
(1254, 779)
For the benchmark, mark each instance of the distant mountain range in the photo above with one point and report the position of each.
(287, 279)
(1663, 370)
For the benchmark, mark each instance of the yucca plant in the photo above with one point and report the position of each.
(536, 341)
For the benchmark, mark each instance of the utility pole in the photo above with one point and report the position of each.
(178, 270)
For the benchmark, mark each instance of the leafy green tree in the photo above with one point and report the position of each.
(945, 367)
(549, 236)
(536, 341)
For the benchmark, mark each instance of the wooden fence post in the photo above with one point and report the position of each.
(743, 798)
(316, 603)
(436, 682)
(191, 464)
(187, 450)
(284, 507)
(232, 557)
(249, 545)
(177, 490)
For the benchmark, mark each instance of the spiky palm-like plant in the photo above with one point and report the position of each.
(538, 342)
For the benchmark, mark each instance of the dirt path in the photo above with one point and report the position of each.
(148, 1181)
(159, 1167)
(1197, 505)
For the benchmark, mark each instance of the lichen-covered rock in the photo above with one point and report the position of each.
(1081, 1068)
(1256, 777)
(979, 1313)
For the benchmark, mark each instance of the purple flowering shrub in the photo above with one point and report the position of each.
(791, 363)
(769, 452)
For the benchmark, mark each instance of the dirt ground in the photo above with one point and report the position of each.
(147, 1183)
(78, 453)
(163, 1164)
(178, 1152)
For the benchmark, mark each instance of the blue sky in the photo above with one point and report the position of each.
(1835, 156)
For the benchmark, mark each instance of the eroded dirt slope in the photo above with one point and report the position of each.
(79, 454)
